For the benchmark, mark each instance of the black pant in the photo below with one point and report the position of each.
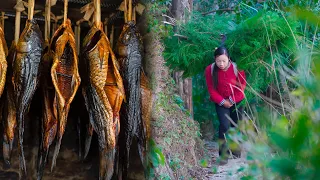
(235, 113)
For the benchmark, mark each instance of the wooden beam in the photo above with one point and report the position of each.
(73, 10)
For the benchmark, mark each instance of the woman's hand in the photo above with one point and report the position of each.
(227, 104)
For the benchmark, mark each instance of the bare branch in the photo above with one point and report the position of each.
(181, 36)
(227, 9)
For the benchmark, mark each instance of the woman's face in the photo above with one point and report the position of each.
(222, 61)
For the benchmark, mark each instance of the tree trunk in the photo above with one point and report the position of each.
(184, 85)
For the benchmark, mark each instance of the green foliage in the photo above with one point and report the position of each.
(154, 157)
(289, 148)
(204, 163)
(175, 163)
(258, 45)
(204, 109)
(191, 55)
(155, 9)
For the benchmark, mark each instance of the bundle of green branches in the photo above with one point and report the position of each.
(191, 48)
(258, 45)
(286, 147)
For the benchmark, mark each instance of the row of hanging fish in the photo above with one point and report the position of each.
(116, 93)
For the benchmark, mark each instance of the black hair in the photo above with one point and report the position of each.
(218, 52)
(221, 51)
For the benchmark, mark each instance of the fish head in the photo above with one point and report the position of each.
(31, 39)
(129, 35)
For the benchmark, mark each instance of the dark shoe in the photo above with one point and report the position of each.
(223, 161)
(236, 154)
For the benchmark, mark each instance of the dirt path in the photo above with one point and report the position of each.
(228, 171)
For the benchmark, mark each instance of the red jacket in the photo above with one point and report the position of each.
(227, 87)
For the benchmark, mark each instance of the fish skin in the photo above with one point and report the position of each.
(65, 77)
(95, 58)
(49, 116)
(3, 61)
(26, 72)
(146, 104)
(129, 50)
(9, 111)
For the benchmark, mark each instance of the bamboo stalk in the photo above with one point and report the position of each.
(134, 14)
(130, 10)
(97, 13)
(17, 24)
(65, 15)
(77, 32)
(2, 20)
(125, 11)
(30, 9)
(49, 18)
(47, 21)
(17, 27)
(106, 27)
(111, 36)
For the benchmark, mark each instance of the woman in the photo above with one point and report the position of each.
(226, 88)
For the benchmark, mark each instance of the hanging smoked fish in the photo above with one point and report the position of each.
(49, 107)
(101, 77)
(129, 49)
(115, 94)
(26, 75)
(49, 111)
(65, 77)
(9, 111)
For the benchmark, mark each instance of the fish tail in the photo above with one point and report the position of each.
(7, 147)
(42, 160)
(142, 150)
(116, 161)
(124, 158)
(56, 152)
(106, 164)
(88, 141)
(22, 161)
(79, 137)
(141, 137)
(60, 131)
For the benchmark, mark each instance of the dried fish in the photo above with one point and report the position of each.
(129, 49)
(101, 76)
(65, 77)
(26, 71)
(49, 110)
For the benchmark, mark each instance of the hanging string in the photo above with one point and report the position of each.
(125, 11)
(47, 21)
(97, 13)
(19, 8)
(130, 11)
(30, 9)
(65, 15)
